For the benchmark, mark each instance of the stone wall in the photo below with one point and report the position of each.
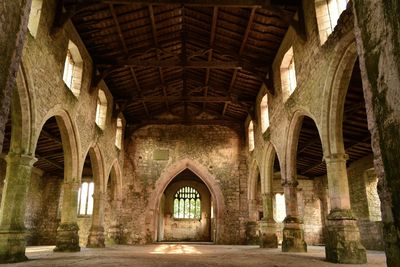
(153, 149)
(364, 200)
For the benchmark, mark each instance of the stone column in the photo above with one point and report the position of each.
(376, 28)
(252, 237)
(268, 237)
(96, 234)
(13, 26)
(343, 237)
(67, 232)
(293, 234)
(13, 204)
(114, 231)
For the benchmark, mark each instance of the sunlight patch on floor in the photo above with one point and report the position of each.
(40, 249)
(175, 249)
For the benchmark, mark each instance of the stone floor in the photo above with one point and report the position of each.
(190, 255)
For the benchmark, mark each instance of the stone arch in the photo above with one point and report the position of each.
(254, 172)
(116, 174)
(167, 176)
(336, 86)
(97, 162)
(267, 171)
(23, 113)
(69, 139)
(293, 138)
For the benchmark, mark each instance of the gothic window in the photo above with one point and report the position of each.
(85, 199)
(328, 13)
(251, 136)
(118, 133)
(34, 17)
(73, 68)
(264, 114)
(288, 74)
(187, 204)
(101, 109)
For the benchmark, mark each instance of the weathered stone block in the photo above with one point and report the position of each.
(343, 239)
(12, 246)
(67, 238)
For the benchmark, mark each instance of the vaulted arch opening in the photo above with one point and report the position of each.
(186, 210)
(311, 172)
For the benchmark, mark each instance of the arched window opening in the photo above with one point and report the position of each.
(85, 199)
(73, 69)
(280, 207)
(328, 13)
(187, 204)
(251, 136)
(101, 109)
(264, 114)
(34, 17)
(288, 74)
(118, 133)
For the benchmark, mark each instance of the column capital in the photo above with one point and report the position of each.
(290, 183)
(23, 159)
(335, 157)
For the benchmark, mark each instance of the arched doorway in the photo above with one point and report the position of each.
(186, 212)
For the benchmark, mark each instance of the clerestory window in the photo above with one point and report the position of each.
(264, 113)
(73, 69)
(187, 204)
(250, 132)
(328, 13)
(288, 74)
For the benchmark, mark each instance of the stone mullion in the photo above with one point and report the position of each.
(13, 205)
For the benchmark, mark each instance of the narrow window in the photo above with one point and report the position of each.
(187, 204)
(34, 17)
(118, 133)
(264, 114)
(288, 74)
(251, 136)
(280, 207)
(73, 68)
(85, 199)
(328, 13)
(101, 109)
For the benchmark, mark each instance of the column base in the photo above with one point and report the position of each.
(12, 246)
(268, 237)
(67, 238)
(96, 237)
(293, 236)
(114, 235)
(252, 237)
(343, 239)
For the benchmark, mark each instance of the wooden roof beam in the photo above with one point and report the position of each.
(49, 161)
(210, 53)
(242, 47)
(205, 99)
(155, 40)
(122, 39)
(203, 3)
(171, 64)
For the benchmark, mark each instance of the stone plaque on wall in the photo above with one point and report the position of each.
(160, 154)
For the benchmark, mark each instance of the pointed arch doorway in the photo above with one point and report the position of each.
(168, 177)
(186, 212)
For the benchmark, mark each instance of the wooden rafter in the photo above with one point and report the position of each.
(242, 47)
(210, 53)
(205, 99)
(121, 37)
(155, 40)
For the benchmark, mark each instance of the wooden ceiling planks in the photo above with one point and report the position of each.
(172, 48)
